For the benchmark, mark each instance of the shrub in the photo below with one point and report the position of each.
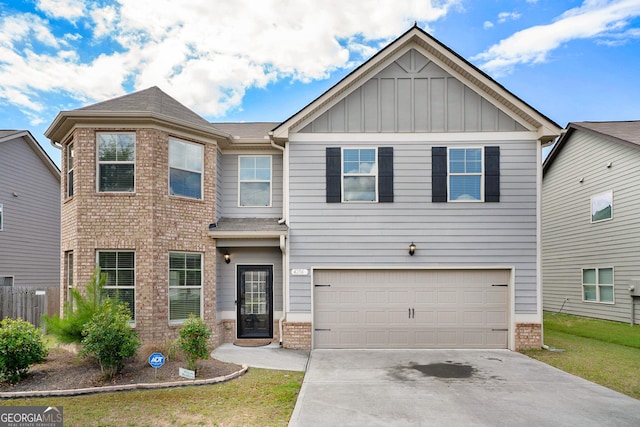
(21, 346)
(109, 339)
(78, 311)
(193, 340)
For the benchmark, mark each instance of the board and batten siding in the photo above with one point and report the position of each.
(571, 242)
(447, 235)
(30, 239)
(219, 186)
(229, 185)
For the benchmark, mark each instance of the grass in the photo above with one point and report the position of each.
(604, 352)
(260, 397)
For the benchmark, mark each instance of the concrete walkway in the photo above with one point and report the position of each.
(271, 356)
(451, 388)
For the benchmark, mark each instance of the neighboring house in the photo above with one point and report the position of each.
(398, 209)
(590, 221)
(29, 213)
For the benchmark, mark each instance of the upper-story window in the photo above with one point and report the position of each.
(465, 174)
(185, 168)
(116, 162)
(602, 207)
(359, 175)
(70, 155)
(254, 181)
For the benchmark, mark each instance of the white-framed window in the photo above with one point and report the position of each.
(254, 181)
(1, 217)
(602, 206)
(70, 156)
(185, 168)
(359, 175)
(120, 268)
(116, 162)
(465, 175)
(185, 285)
(68, 264)
(6, 280)
(597, 285)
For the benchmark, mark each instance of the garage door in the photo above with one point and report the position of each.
(411, 308)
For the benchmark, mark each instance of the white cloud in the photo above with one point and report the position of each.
(207, 54)
(505, 16)
(594, 19)
(487, 25)
(66, 9)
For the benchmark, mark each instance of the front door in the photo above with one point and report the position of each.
(255, 293)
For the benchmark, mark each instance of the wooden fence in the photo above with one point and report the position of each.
(29, 303)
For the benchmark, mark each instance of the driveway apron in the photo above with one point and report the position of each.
(451, 388)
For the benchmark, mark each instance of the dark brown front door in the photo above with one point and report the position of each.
(255, 294)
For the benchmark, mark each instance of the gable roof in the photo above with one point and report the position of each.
(546, 128)
(621, 132)
(148, 105)
(9, 135)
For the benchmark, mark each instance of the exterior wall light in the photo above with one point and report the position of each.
(227, 257)
(412, 248)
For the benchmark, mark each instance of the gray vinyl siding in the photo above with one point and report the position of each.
(30, 240)
(412, 94)
(571, 242)
(227, 273)
(446, 234)
(229, 186)
(219, 186)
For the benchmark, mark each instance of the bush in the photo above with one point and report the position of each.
(79, 311)
(109, 339)
(21, 346)
(193, 340)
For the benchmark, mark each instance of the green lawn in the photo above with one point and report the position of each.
(260, 397)
(607, 353)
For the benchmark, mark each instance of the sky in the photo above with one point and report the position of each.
(264, 60)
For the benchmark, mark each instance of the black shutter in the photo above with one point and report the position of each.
(492, 174)
(438, 174)
(333, 174)
(385, 174)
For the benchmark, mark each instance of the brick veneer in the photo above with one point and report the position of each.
(296, 335)
(149, 222)
(528, 336)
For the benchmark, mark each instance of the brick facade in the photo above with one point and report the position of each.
(297, 335)
(148, 221)
(528, 336)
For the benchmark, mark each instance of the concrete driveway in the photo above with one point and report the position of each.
(451, 388)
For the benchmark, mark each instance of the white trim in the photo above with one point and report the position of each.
(539, 301)
(435, 137)
(591, 207)
(374, 174)
(69, 151)
(240, 181)
(1, 217)
(449, 174)
(598, 285)
(201, 171)
(135, 281)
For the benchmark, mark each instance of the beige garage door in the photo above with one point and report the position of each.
(410, 308)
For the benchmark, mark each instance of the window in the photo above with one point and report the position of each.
(70, 155)
(121, 276)
(597, 285)
(1, 217)
(185, 169)
(359, 174)
(185, 285)
(465, 174)
(255, 180)
(68, 262)
(6, 281)
(116, 162)
(602, 207)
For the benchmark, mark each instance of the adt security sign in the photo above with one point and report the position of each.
(156, 360)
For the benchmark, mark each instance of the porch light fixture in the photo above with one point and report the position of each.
(412, 248)
(227, 257)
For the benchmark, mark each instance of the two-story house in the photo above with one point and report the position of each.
(590, 222)
(401, 208)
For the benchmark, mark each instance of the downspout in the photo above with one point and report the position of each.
(283, 240)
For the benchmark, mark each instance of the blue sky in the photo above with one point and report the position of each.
(249, 60)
